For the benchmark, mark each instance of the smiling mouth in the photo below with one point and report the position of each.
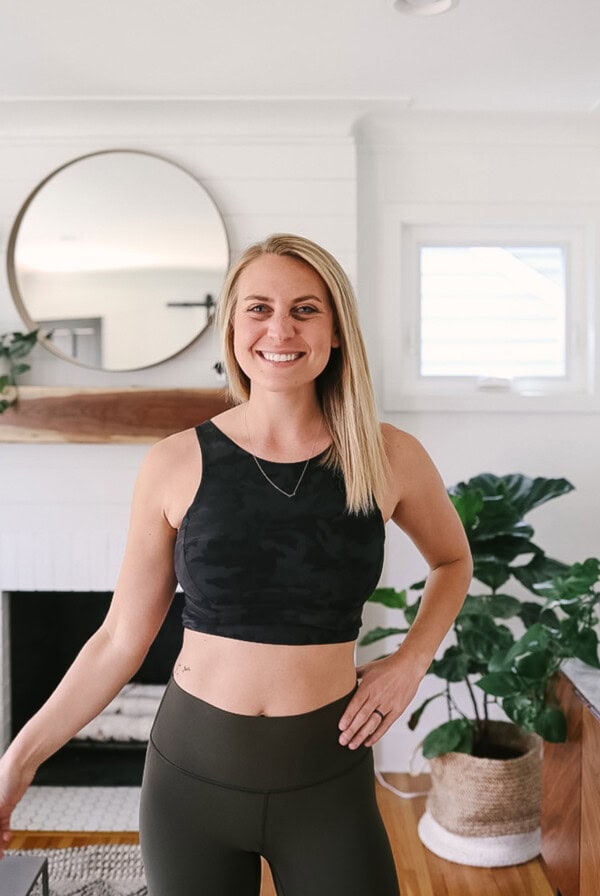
(280, 357)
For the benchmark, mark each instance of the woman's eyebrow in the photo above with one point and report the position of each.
(255, 298)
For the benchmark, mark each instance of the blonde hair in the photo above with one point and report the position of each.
(344, 388)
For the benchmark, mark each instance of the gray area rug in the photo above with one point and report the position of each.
(93, 870)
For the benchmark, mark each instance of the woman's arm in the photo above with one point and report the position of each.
(142, 597)
(421, 507)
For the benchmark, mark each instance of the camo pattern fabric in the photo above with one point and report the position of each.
(259, 566)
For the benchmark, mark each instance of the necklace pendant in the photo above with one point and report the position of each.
(274, 484)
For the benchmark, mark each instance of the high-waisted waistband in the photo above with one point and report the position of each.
(265, 753)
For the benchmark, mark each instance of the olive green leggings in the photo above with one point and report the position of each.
(222, 789)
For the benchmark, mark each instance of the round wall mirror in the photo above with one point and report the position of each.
(119, 256)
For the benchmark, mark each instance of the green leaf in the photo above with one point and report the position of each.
(535, 665)
(378, 633)
(568, 635)
(389, 597)
(535, 638)
(18, 369)
(491, 573)
(448, 738)
(503, 547)
(21, 344)
(5, 381)
(480, 642)
(549, 619)
(468, 505)
(503, 606)
(465, 744)
(529, 613)
(526, 493)
(416, 715)
(453, 666)
(586, 648)
(539, 569)
(477, 645)
(551, 724)
(500, 684)
(474, 605)
(411, 611)
(498, 662)
(572, 584)
(522, 709)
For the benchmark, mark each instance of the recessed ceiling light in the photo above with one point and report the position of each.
(425, 7)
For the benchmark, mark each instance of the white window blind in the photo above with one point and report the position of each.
(492, 311)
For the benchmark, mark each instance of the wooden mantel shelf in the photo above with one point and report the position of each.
(99, 415)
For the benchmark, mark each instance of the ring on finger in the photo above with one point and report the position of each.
(379, 713)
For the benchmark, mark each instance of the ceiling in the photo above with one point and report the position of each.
(526, 55)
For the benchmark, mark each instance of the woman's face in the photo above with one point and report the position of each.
(283, 324)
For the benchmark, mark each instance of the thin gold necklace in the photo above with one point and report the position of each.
(269, 480)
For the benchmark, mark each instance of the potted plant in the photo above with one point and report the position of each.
(506, 653)
(14, 347)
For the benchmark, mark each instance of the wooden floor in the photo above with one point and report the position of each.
(420, 872)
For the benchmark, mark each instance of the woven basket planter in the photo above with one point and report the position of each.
(486, 812)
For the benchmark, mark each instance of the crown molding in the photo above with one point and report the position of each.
(195, 118)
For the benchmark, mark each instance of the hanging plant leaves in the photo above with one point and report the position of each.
(453, 736)
(551, 724)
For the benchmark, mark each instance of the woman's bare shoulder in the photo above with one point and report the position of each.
(401, 445)
(173, 447)
(170, 472)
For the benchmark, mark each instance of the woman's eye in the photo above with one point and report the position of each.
(305, 309)
(258, 309)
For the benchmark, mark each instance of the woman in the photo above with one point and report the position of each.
(271, 517)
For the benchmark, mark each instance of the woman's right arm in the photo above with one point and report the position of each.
(107, 661)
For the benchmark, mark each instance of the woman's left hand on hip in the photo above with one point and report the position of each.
(385, 689)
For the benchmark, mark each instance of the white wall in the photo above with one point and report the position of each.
(428, 160)
(275, 170)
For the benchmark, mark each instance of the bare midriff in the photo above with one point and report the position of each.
(264, 679)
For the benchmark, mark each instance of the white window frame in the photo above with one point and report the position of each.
(408, 227)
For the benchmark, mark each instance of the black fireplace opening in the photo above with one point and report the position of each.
(47, 630)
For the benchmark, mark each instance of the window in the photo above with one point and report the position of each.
(492, 311)
(491, 316)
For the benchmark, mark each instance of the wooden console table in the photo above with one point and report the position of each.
(571, 798)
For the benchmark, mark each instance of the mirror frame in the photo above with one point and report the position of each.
(43, 339)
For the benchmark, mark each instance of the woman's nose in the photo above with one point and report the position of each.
(281, 326)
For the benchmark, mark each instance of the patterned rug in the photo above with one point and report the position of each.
(93, 870)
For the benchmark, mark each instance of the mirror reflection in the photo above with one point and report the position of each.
(121, 254)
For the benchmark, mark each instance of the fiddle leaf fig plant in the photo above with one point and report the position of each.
(514, 671)
(14, 347)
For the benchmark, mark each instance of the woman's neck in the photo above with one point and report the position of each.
(279, 423)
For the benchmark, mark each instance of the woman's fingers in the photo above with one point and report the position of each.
(363, 718)
(384, 691)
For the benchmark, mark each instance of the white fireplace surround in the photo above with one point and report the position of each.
(65, 511)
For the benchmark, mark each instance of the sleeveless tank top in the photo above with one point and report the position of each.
(258, 566)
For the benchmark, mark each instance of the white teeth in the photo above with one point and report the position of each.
(271, 356)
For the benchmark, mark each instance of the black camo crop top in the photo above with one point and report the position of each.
(259, 566)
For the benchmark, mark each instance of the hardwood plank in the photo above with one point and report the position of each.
(561, 797)
(420, 872)
(65, 839)
(45, 415)
(590, 809)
